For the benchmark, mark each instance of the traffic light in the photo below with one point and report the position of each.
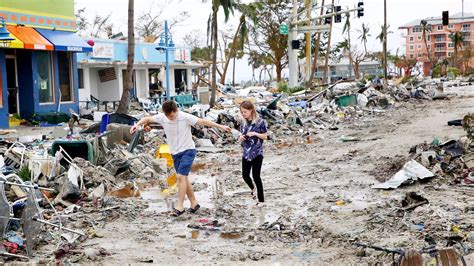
(445, 17)
(295, 44)
(360, 12)
(328, 19)
(338, 19)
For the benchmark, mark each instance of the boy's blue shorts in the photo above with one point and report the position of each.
(183, 161)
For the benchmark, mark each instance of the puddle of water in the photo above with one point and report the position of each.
(160, 203)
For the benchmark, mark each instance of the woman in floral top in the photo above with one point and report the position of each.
(253, 132)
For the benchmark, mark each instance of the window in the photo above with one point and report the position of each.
(450, 45)
(429, 46)
(411, 47)
(450, 26)
(419, 37)
(411, 38)
(450, 54)
(80, 78)
(411, 56)
(466, 27)
(440, 27)
(440, 47)
(419, 46)
(65, 77)
(44, 76)
(419, 54)
(428, 38)
(416, 29)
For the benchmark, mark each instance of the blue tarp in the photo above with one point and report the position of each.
(65, 41)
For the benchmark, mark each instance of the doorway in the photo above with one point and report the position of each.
(12, 85)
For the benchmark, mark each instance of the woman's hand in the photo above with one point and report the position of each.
(252, 134)
(242, 138)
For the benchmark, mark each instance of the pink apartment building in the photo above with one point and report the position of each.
(439, 44)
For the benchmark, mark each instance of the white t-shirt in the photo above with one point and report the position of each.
(178, 131)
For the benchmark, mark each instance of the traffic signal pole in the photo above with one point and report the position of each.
(294, 28)
(292, 53)
(308, 3)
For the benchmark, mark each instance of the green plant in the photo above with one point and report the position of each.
(454, 71)
(282, 86)
(436, 71)
(24, 173)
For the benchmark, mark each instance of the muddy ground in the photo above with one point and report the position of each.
(319, 199)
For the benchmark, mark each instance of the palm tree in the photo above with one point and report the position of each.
(426, 28)
(347, 28)
(382, 37)
(123, 105)
(315, 53)
(248, 15)
(227, 7)
(364, 33)
(457, 38)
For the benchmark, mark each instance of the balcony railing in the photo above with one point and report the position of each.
(440, 50)
(440, 40)
(464, 29)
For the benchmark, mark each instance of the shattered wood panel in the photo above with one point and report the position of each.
(448, 257)
(412, 258)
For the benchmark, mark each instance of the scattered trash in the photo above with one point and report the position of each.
(410, 172)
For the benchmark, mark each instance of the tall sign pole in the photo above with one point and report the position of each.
(292, 53)
(308, 42)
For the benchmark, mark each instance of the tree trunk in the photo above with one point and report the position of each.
(212, 101)
(316, 53)
(356, 70)
(232, 51)
(278, 71)
(349, 53)
(123, 105)
(233, 73)
(328, 49)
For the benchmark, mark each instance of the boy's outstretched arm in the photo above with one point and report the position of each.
(209, 123)
(144, 121)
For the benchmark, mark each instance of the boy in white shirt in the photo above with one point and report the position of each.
(177, 127)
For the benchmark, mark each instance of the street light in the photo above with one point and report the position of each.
(5, 39)
(164, 46)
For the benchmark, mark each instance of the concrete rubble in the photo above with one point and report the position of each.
(63, 190)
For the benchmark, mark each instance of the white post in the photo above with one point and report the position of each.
(292, 53)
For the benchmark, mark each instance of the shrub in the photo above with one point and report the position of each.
(454, 71)
(282, 86)
(436, 72)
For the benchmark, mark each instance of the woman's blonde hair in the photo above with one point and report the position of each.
(248, 105)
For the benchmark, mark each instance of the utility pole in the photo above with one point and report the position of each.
(292, 53)
(328, 49)
(385, 40)
(308, 42)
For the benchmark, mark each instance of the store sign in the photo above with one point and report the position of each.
(183, 55)
(103, 50)
(74, 49)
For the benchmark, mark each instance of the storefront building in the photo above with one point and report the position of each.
(38, 68)
(102, 72)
